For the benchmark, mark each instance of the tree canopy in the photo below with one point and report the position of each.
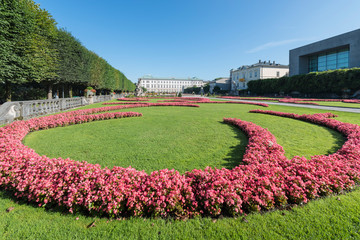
(33, 50)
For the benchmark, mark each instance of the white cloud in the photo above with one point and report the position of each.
(275, 44)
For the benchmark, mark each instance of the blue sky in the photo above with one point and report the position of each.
(199, 38)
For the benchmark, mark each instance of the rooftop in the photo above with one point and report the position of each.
(169, 78)
(357, 32)
(270, 64)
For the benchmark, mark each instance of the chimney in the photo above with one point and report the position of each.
(273, 62)
(269, 61)
(259, 61)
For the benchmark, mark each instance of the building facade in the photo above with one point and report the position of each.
(223, 83)
(168, 85)
(262, 70)
(339, 52)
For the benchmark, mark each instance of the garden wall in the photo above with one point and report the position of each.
(11, 111)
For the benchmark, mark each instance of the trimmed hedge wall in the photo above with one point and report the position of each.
(334, 81)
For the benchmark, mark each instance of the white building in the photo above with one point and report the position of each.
(223, 83)
(261, 70)
(168, 85)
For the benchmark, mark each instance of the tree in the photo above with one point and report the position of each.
(33, 50)
(44, 55)
(15, 44)
(206, 88)
(216, 89)
(71, 62)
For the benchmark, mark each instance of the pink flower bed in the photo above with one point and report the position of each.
(352, 101)
(266, 179)
(191, 99)
(294, 100)
(133, 99)
(206, 100)
(316, 99)
(123, 103)
(251, 98)
(290, 100)
(185, 103)
(185, 99)
(135, 105)
(234, 102)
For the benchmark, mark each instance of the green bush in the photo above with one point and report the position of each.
(334, 81)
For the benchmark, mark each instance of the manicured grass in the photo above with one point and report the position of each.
(333, 104)
(185, 138)
(330, 218)
(340, 104)
(182, 138)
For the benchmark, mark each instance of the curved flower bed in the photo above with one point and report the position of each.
(137, 104)
(206, 100)
(234, 102)
(251, 98)
(351, 101)
(294, 100)
(289, 100)
(267, 179)
(187, 103)
(185, 99)
(133, 99)
(123, 103)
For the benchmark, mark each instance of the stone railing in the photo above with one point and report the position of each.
(11, 111)
(103, 98)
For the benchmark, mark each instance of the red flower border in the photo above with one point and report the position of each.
(265, 180)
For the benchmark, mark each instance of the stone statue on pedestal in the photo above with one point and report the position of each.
(138, 90)
(202, 91)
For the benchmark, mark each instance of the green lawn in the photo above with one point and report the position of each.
(340, 104)
(185, 138)
(333, 104)
(182, 138)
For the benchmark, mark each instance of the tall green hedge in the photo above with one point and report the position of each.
(334, 81)
(33, 50)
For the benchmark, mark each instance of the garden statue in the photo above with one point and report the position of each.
(89, 93)
(234, 90)
(202, 91)
(138, 90)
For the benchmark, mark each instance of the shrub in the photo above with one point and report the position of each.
(334, 81)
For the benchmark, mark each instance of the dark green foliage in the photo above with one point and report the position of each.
(15, 43)
(43, 55)
(70, 58)
(197, 90)
(193, 89)
(33, 50)
(335, 81)
(216, 89)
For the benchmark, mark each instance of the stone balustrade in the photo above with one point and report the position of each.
(11, 111)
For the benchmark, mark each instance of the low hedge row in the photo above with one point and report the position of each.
(335, 81)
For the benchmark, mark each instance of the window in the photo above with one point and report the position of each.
(329, 60)
(250, 74)
(312, 64)
(321, 63)
(277, 74)
(255, 74)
